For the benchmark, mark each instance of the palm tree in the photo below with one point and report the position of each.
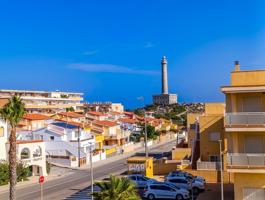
(12, 113)
(117, 188)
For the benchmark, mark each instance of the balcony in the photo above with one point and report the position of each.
(202, 165)
(245, 161)
(245, 121)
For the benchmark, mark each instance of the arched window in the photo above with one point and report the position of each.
(25, 153)
(37, 152)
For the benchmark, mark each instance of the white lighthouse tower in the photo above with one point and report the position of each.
(164, 98)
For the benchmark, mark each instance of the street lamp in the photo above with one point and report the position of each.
(221, 169)
(145, 128)
(91, 168)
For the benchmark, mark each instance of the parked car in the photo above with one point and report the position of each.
(140, 180)
(164, 191)
(189, 176)
(182, 182)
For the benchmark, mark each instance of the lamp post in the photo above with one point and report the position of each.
(145, 128)
(79, 164)
(91, 169)
(221, 169)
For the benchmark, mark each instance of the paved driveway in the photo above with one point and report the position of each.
(213, 191)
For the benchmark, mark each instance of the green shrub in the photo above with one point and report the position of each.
(23, 172)
(4, 175)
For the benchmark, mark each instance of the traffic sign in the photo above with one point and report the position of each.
(41, 179)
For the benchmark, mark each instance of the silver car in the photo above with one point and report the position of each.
(140, 180)
(164, 191)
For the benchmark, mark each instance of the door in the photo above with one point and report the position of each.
(254, 144)
(253, 194)
(142, 182)
(167, 192)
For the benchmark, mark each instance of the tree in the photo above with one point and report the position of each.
(12, 113)
(117, 188)
(151, 132)
(71, 109)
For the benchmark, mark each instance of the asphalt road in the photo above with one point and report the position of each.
(67, 186)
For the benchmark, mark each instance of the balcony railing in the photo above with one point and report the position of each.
(246, 159)
(202, 165)
(245, 118)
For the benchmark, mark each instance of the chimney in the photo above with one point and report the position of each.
(237, 66)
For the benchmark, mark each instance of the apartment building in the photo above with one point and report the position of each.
(45, 102)
(245, 131)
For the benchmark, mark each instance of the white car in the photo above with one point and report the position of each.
(140, 180)
(164, 191)
(182, 182)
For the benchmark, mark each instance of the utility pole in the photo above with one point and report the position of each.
(145, 127)
(145, 135)
(221, 169)
(91, 169)
(79, 164)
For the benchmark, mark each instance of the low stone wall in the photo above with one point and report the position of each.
(180, 153)
(164, 168)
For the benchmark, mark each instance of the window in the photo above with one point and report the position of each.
(1, 131)
(178, 181)
(37, 152)
(215, 136)
(25, 153)
(214, 158)
(141, 178)
(52, 137)
(132, 178)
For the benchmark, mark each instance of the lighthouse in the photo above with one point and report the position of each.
(165, 98)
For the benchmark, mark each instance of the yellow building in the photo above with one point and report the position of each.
(245, 130)
(211, 132)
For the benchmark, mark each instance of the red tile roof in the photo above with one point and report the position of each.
(128, 120)
(96, 113)
(71, 114)
(27, 141)
(105, 123)
(35, 116)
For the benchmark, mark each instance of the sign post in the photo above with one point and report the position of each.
(41, 181)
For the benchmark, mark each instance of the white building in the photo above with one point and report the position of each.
(62, 144)
(45, 102)
(30, 152)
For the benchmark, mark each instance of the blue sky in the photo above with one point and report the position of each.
(111, 50)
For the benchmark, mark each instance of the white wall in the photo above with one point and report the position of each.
(3, 140)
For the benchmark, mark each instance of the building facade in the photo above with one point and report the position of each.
(45, 102)
(245, 132)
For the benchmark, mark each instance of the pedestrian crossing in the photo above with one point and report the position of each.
(83, 194)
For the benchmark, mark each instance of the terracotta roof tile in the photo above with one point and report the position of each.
(96, 113)
(35, 116)
(71, 114)
(105, 123)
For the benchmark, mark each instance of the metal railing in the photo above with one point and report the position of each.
(245, 118)
(246, 159)
(202, 165)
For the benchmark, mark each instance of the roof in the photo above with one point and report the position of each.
(71, 114)
(138, 159)
(65, 125)
(27, 141)
(35, 91)
(35, 116)
(115, 113)
(96, 113)
(105, 123)
(128, 120)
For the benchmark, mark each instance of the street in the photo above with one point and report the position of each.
(68, 186)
